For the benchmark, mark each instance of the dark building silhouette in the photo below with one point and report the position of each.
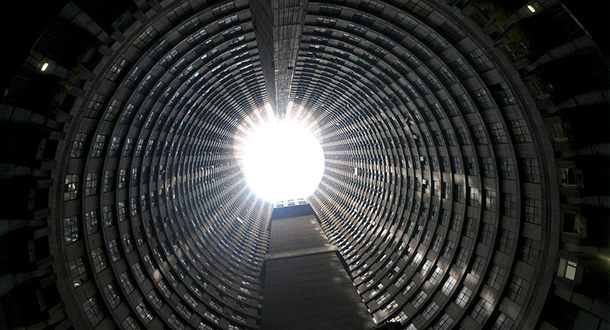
(465, 186)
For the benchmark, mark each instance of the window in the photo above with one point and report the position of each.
(196, 37)
(444, 162)
(448, 250)
(481, 60)
(503, 322)
(481, 310)
(126, 282)
(490, 200)
(115, 146)
(122, 207)
(450, 137)
(127, 242)
(116, 69)
(428, 139)
(462, 69)
(487, 167)
(438, 138)
(436, 42)
(109, 177)
(449, 285)
(95, 105)
(456, 221)
(71, 185)
(154, 298)
(79, 145)
(135, 176)
(477, 266)
(138, 272)
(482, 98)
(91, 184)
(475, 197)
(462, 134)
(462, 258)
(487, 232)
(93, 311)
(108, 215)
(113, 248)
(433, 82)
(520, 131)
(469, 227)
(495, 277)
(128, 147)
(71, 229)
(529, 251)
(436, 243)
(111, 295)
(129, 323)
(122, 178)
(436, 275)
(430, 311)
(458, 193)
(419, 299)
(446, 76)
(176, 323)
(99, 259)
(400, 318)
(567, 269)
(507, 168)
(144, 312)
(517, 289)
(503, 94)
(498, 133)
(480, 136)
(465, 104)
(444, 323)
(509, 206)
(450, 108)
(79, 272)
(113, 110)
(507, 241)
(425, 267)
(531, 171)
(91, 222)
(456, 162)
(127, 114)
(463, 297)
(98, 146)
(145, 38)
(471, 167)
(533, 210)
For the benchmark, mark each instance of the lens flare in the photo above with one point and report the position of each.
(282, 160)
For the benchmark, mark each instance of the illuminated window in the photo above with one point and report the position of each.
(93, 311)
(111, 295)
(463, 297)
(71, 229)
(481, 310)
(444, 323)
(71, 186)
(567, 269)
(91, 184)
(79, 272)
(99, 259)
(129, 323)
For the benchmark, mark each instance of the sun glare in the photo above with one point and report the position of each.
(282, 160)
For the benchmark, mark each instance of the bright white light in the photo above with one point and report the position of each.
(44, 66)
(283, 160)
(531, 8)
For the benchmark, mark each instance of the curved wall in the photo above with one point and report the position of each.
(450, 187)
